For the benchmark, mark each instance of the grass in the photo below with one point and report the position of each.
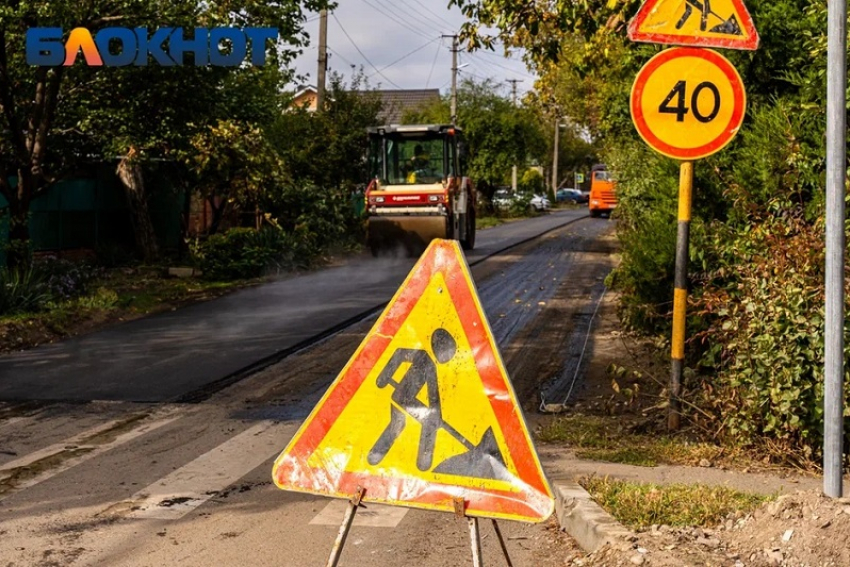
(604, 439)
(119, 296)
(488, 222)
(640, 505)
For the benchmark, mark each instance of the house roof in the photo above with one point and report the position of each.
(397, 102)
(303, 89)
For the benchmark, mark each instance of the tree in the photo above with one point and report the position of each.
(498, 134)
(329, 148)
(234, 167)
(55, 117)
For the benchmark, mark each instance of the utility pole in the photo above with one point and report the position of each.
(555, 157)
(513, 87)
(836, 177)
(454, 78)
(514, 168)
(323, 60)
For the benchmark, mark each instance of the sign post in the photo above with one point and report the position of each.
(680, 291)
(836, 175)
(688, 103)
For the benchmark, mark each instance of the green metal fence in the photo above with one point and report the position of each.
(92, 211)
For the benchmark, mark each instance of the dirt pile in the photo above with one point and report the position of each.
(804, 529)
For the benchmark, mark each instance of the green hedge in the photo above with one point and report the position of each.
(244, 253)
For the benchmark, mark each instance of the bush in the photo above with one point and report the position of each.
(243, 253)
(532, 182)
(65, 279)
(23, 289)
(766, 307)
(103, 298)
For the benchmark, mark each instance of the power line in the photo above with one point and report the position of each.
(428, 19)
(403, 14)
(505, 67)
(434, 62)
(363, 55)
(420, 48)
(436, 14)
(395, 19)
(338, 54)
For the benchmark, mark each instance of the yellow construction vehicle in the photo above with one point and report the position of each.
(419, 190)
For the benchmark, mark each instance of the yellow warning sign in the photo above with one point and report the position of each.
(424, 412)
(701, 23)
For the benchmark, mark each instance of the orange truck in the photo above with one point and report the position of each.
(603, 194)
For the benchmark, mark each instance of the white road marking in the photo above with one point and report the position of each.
(85, 451)
(370, 515)
(180, 492)
(56, 448)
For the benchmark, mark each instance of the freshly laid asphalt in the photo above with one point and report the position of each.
(170, 355)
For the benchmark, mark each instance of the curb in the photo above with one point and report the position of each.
(582, 518)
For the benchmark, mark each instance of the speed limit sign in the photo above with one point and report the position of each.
(688, 103)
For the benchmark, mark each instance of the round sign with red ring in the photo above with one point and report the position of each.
(688, 103)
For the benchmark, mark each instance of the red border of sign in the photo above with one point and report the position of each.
(734, 121)
(750, 43)
(533, 503)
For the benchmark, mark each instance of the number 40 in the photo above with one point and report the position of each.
(680, 110)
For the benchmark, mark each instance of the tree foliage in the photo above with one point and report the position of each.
(52, 118)
(498, 134)
(756, 265)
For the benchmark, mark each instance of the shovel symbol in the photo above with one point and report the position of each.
(728, 26)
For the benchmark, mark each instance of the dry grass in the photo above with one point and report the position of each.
(640, 505)
(605, 439)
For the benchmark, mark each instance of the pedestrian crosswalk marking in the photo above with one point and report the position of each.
(78, 451)
(369, 516)
(182, 491)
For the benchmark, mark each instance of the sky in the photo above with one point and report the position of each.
(398, 43)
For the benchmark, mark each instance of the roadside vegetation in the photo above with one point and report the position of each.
(755, 348)
(280, 187)
(608, 438)
(54, 298)
(640, 505)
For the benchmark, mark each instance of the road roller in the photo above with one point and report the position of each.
(418, 189)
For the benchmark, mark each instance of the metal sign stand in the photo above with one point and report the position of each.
(475, 536)
(347, 520)
(502, 544)
(474, 532)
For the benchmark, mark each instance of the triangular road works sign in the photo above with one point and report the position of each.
(701, 23)
(424, 413)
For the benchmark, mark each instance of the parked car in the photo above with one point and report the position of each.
(568, 195)
(539, 203)
(503, 198)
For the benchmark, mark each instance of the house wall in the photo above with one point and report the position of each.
(307, 99)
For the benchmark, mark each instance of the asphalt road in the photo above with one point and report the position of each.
(118, 483)
(167, 356)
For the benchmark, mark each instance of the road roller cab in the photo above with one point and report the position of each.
(418, 189)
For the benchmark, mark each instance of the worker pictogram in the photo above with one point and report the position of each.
(483, 460)
(423, 413)
(688, 103)
(704, 23)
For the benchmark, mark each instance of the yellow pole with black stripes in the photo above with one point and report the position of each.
(680, 291)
